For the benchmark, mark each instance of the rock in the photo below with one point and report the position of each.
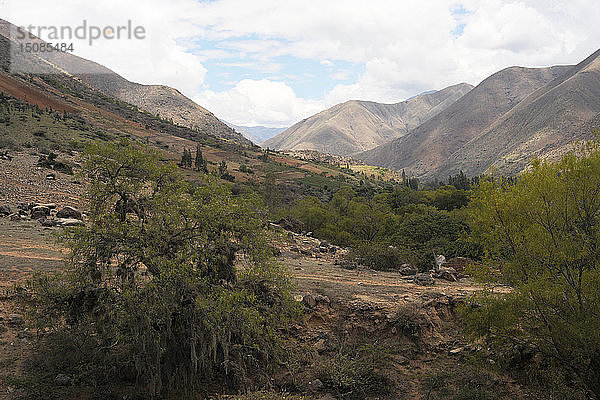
(448, 276)
(68, 222)
(423, 280)
(322, 299)
(291, 224)
(306, 252)
(69, 212)
(38, 212)
(51, 206)
(407, 270)
(347, 264)
(316, 384)
(49, 222)
(324, 249)
(295, 249)
(51, 176)
(15, 217)
(309, 301)
(5, 210)
(324, 243)
(62, 380)
(320, 345)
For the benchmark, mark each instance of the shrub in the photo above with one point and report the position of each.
(541, 236)
(354, 371)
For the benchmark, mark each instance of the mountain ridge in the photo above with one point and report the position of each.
(160, 100)
(355, 125)
(426, 147)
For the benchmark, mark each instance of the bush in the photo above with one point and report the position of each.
(354, 372)
(541, 236)
(379, 256)
(151, 296)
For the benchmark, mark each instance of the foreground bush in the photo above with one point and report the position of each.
(542, 237)
(151, 296)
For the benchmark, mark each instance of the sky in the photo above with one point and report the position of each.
(275, 62)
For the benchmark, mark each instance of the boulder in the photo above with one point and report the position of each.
(15, 217)
(407, 270)
(322, 299)
(67, 222)
(38, 212)
(447, 273)
(62, 380)
(69, 212)
(423, 280)
(5, 210)
(51, 206)
(459, 264)
(291, 224)
(49, 222)
(309, 301)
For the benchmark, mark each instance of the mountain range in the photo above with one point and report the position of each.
(355, 126)
(423, 151)
(511, 117)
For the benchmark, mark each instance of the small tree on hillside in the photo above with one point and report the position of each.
(199, 161)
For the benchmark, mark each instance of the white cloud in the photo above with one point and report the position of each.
(259, 102)
(157, 59)
(403, 47)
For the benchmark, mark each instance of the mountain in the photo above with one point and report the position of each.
(257, 134)
(355, 126)
(545, 124)
(160, 100)
(424, 149)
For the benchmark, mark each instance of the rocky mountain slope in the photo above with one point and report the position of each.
(423, 151)
(544, 124)
(160, 100)
(356, 126)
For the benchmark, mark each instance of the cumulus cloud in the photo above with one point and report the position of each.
(259, 102)
(402, 47)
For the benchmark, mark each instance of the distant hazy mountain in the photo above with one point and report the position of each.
(257, 134)
(426, 148)
(160, 100)
(355, 125)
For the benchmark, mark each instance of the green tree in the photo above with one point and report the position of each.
(542, 237)
(152, 295)
(222, 168)
(199, 161)
(186, 159)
